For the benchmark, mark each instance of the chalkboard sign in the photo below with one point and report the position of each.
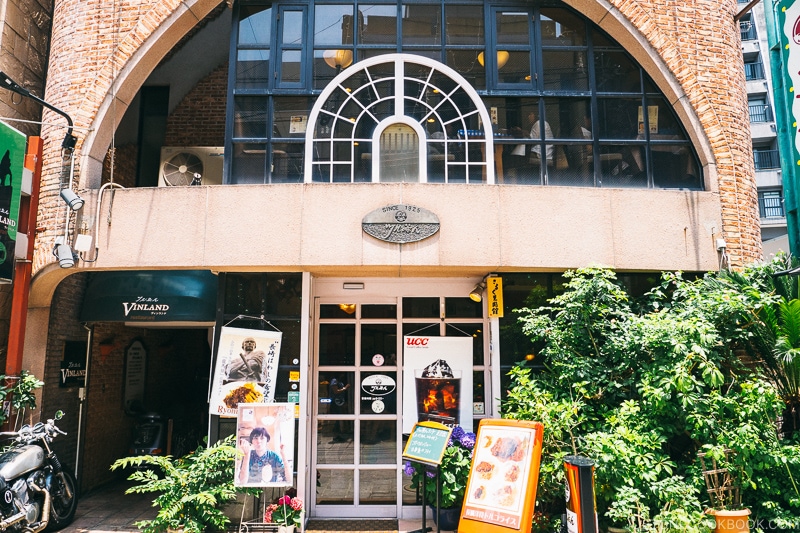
(427, 442)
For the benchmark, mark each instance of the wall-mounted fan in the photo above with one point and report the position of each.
(182, 168)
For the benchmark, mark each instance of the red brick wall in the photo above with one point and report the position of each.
(199, 120)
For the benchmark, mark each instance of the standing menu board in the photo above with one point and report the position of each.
(501, 489)
(427, 442)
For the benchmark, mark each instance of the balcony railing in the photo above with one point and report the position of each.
(770, 207)
(754, 71)
(760, 113)
(748, 30)
(766, 159)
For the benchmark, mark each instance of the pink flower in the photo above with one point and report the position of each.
(285, 500)
(297, 504)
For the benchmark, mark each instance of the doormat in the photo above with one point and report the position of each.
(361, 524)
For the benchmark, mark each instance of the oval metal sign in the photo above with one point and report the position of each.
(378, 385)
(400, 223)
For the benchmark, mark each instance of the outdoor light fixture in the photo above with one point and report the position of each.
(476, 295)
(502, 58)
(69, 140)
(338, 59)
(63, 253)
(74, 201)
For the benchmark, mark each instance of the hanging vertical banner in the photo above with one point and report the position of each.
(246, 369)
(494, 288)
(440, 370)
(265, 438)
(12, 161)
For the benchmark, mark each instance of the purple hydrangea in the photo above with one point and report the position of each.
(408, 469)
(468, 440)
(430, 473)
(458, 432)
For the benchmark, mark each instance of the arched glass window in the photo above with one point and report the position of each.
(564, 103)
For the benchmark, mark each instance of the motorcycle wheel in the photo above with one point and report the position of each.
(62, 507)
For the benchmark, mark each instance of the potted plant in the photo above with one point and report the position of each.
(724, 493)
(287, 511)
(453, 475)
(191, 488)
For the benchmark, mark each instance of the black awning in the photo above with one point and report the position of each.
(150, 296)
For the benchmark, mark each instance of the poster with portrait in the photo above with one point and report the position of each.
(265, 438)
(246, 369)
(440, 371)
(503, 477)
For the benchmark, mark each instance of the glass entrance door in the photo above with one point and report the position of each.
(357, 400)
(357, 430)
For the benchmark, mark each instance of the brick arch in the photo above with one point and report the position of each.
(725, 150)
(85, 59)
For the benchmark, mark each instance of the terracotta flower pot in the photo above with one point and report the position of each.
(731, 521)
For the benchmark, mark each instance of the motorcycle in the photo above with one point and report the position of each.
(36, 493)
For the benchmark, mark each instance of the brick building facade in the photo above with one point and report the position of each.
(263, 231)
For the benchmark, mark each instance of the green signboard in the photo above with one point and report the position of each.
(12, 160)
(427, 442)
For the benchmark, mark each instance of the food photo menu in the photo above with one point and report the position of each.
(504, 474)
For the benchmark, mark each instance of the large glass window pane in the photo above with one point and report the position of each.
(561, 27)
(674, 167)
(565, 70)
(623, 166)
(250, 117)
(254, 25)
(422, 25)
(466, 63)
(379, 311)
(464, 25)
(252, 68)
(293, 27)
(615, 72)
(619, 118)
(662, 124)
(378, 339)
(333, 25)
(476, 332)
(287, 162)
(378, 487)
(335, 487)
(291, 116)
(513, 27)
(378, 445)
(290, 66)
(514, 67)
(378, 24)
(463, 308)
(421, 308)
(249, 163)
(337, 344)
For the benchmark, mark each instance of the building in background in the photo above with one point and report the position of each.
(348, 174)
(763, 127)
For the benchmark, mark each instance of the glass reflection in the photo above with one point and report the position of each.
(377, 487)
(378, 442)
(335, 487)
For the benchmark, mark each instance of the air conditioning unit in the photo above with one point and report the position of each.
(191, 165)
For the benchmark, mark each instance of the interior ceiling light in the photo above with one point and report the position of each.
(502, 58)
(348, 308)
(338, 59)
